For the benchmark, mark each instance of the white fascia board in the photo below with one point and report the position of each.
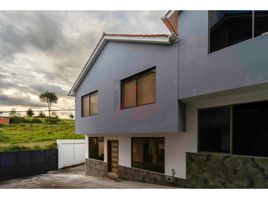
(106, 38)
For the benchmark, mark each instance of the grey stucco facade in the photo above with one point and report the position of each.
(200, 72)
(188, 78)
(118, 61)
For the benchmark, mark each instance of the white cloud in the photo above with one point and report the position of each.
(46, 50)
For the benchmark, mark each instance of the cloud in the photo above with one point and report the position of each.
(46, 50)
(13, 101)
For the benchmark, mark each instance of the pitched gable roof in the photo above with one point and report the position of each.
(162, 39)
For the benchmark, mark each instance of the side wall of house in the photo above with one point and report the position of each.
(201, 72)
(174, 151)
(118, 61)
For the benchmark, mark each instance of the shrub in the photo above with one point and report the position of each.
(52, 120)
(18, 120)
(15, 148)
(36, 120)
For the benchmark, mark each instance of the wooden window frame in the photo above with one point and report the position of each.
(135, 77)
(82, 105)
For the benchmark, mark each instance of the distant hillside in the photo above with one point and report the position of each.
(36, 135)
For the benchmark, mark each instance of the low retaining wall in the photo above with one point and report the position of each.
(146, 176)
(203, 170)
(208, 170)
(96, 167)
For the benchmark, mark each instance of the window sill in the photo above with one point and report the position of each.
(122, 108)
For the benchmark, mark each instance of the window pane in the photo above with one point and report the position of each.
(148, 153)
(85, 106)
(146, 88)
(250, 129)
(96, 148)
(229, 27)
(129, 93)
(94, 105)
(261, 22)
(214, 129)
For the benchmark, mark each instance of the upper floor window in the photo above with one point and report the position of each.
(231, 27)
(90, 104)
(139, 89)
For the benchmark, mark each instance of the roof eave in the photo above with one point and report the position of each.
(163, 40)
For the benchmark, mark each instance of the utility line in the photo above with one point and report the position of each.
(39, 110)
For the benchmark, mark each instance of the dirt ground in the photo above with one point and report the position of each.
(72, 178)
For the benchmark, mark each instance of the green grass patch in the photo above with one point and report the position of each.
(33, 136)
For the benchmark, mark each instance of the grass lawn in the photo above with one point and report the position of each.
(35, 136)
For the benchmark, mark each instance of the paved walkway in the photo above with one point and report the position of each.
(72, 178)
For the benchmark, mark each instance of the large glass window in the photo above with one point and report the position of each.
(129, 95)
(250, 129)
(139, 89)
(243, 124)
(214, 129)
(148, 153)
(228, 28)
(261, 22)
(85, 105)
(96, 148)
(90, 104)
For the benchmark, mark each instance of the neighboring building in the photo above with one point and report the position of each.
(4, 120)
(188, 108)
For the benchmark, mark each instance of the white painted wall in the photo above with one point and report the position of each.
(70, 152)
(174, 150)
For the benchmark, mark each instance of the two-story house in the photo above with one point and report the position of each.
(187, 108)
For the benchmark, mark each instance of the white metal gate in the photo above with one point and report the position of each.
(70, 152)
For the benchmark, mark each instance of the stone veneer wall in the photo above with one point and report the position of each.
(203, 170)
(146, 176)
(96, 167)
(209, 170)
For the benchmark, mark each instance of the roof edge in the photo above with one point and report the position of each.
(162, 39)
(167, 18)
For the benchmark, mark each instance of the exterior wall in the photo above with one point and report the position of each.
(121, 60)
(96, 167)
(4, 120)
(172, 151)
(178, 145)
(226, 171)
(200, 72)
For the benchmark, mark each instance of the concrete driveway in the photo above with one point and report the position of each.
(72, 178)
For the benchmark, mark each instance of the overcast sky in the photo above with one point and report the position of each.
(46, 50)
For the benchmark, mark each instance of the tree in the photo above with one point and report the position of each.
(54, 114)
(49, 98)
(12, 112)
(42, 115)
(30, 112)
(71, 116)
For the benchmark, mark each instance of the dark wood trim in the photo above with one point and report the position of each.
(134, 77)
(109, 154)
(89, 103)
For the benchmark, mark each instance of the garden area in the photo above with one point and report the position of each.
(32, 133)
